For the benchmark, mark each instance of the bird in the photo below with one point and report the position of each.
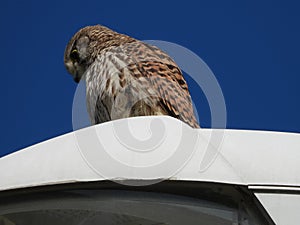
(126, 77)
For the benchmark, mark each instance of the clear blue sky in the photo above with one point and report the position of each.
(252, 48)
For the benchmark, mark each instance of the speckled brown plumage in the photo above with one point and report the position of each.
(126, 77)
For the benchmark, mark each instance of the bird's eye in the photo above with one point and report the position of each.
(74, 55)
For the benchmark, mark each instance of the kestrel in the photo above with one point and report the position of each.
(126, 77)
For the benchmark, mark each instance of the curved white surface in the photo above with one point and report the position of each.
(244, 157)
(284, 208)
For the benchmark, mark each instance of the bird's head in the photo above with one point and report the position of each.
(87, 44)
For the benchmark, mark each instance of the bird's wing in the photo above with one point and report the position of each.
(165, 77)
(170, 87)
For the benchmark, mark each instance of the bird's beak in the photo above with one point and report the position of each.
(76, 78)
(72, 70)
